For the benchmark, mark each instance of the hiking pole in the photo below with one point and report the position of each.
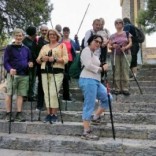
(110, 106)
(57, 94)
(47, 70)
(114, 68)
(114, 59)
(83, 19)
(132, 73)
(30, 78)
(10, 120)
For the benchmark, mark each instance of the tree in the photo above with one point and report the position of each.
(147, 17)
(23, 13)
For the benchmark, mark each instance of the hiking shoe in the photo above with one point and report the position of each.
(7, 117)
(89, 136)
(19, 117)
(96, 121)
(47, 118)
(126, 93)
(54, 118)
(116, 92)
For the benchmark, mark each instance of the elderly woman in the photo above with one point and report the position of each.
(91, 86)
(52, 57)
(120, 42)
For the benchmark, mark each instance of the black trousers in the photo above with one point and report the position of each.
(40, 97)
(134, 52)
(66, 95)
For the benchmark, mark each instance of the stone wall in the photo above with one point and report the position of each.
(149, 55)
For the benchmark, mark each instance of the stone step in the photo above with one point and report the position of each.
(76, 116)
(66, 144)
(130, 131)
(132, 84)
(8, 152)
(133, 90)
(117, 106)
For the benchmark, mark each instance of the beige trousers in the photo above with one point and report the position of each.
(49, 84)
(121, 73)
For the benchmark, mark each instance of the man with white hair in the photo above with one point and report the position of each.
(17, 61)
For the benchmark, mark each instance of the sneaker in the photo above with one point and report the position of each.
(126, 93)
(19, 117)
(116, 92)
(54, 118)
(47, 118)
(89, 136)
(96, 121)
(7, 117)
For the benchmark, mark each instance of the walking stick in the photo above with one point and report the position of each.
(133, 73)
(12, 79)
(114, 68)
(83, 19)
(57, 94)
(49, 54)
(30, 95)
(110, 106)
(114, 59)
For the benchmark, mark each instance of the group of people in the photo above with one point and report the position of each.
(49, 58)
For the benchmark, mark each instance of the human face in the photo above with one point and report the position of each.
(52, 36)
(96, 26)
(96, 43)
(66, 33)
(119, 25)
(18, 38)
(44, 31)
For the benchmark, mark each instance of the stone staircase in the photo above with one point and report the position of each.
(134, 118)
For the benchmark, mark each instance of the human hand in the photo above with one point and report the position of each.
(45, 58)
(105, 67)
(76, 37)
(115, 46)
(123, 49)
(51, 59)
(30, 64)
(12, 72)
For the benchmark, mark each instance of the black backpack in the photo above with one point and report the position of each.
(140, 36)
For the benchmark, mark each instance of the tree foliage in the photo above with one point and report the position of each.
(147, 17)
(23, 13)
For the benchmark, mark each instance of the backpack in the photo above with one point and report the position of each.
(140, 36)
(75, 68)
(82, 43)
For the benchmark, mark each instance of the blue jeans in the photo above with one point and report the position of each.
(92, 90)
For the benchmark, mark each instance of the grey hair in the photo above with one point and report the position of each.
(18, 30)
(43, 26)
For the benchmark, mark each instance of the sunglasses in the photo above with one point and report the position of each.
(97, 41)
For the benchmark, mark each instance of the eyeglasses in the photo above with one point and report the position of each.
(97, 41)
(51, 34)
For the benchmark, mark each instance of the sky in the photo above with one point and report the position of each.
(70, 13)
